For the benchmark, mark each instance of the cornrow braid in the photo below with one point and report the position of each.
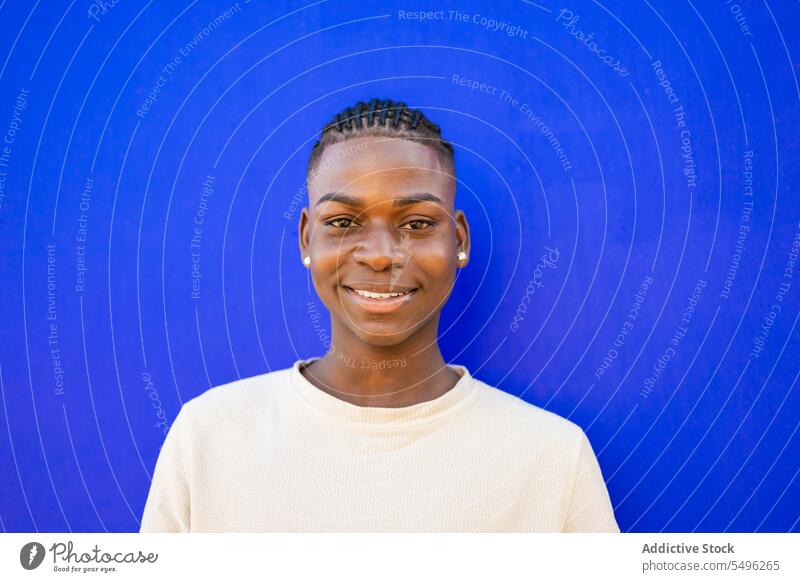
(382, 118)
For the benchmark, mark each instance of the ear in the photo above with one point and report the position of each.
(462, 235)
(304, 233)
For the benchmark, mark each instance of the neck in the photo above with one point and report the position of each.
(365, 374)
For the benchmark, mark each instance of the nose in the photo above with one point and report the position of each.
(381, 249)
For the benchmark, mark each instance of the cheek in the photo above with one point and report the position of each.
(325, 270)
(437, 263)
(324, 277)
(328, 253)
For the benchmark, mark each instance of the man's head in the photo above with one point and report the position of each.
(381, 231)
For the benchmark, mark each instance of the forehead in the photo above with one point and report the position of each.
(380, 166)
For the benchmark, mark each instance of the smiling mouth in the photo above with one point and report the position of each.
(376, 295)
(377, 301)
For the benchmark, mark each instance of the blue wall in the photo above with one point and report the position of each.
(629, 170)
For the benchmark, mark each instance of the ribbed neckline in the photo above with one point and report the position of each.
(430, 410)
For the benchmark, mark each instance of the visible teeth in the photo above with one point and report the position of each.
(379, 295)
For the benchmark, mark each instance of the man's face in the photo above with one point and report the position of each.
(381, 221)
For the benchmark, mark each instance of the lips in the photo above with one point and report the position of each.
(380, 295)
(377, 299)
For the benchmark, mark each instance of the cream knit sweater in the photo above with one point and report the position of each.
(274, 453)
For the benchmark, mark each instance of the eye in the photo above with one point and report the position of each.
(418, 224)
(345, 223)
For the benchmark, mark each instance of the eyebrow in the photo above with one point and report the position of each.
(404, 201)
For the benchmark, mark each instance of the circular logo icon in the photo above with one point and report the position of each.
(31, 555)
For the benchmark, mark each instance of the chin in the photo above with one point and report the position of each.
(382, 337)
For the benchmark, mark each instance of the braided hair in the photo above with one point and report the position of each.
(382, 118)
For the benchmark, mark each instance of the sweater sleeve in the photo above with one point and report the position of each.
(167, 507)
(590, 508)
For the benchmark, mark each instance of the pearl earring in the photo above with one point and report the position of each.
(461, 256)
(306, 260)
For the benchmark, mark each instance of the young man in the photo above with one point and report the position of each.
(380, 433)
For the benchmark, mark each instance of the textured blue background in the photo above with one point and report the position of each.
(710, 444)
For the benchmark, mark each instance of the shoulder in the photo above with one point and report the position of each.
(555, 449)
(235, 401)
(527, 420)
